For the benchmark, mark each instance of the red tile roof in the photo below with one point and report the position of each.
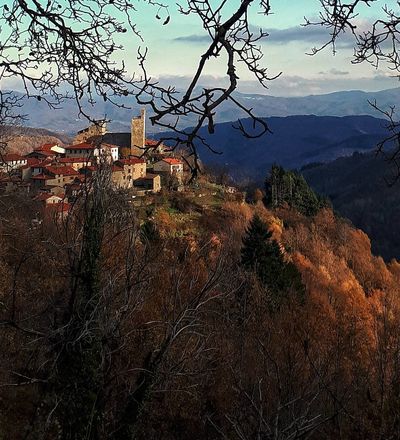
(46, 147)
(41, 153)
(152, 143)
(40, 163)
(172, 161)
(81, 146)
(30, 161)
(11, 157)
(41, 177)
(61, 171)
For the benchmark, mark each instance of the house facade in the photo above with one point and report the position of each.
(9, 162)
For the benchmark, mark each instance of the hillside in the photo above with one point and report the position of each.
(187, 332)
(23, 139)
(295, 141)
(345, 103)
(358, 188)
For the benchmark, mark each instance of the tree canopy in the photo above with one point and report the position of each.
(290, 187)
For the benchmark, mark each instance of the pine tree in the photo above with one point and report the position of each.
(261, 254)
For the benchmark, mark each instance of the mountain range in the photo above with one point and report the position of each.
(344, 103)
(294, 142)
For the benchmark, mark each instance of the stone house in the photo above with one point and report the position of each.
(169, 165)
(125, 171)
(171, 171)
(54, 176)
(149, 182)
(75, 162)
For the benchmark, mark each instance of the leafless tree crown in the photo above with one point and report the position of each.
(69, 49)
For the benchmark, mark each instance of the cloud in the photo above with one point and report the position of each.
(192, 39)
(335, 72)
(292, 85)
(313, 35)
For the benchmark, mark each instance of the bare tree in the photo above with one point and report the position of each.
(70, 50)
(378, 45)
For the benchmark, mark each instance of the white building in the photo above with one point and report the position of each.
(88, 150)
(9, 162)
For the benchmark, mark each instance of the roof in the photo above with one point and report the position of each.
(81, 146)
(116, 168)
(152, 143)
(172, 161)
(61, 171)
(31, 161)
(41, 153)
(150, 176)
(131, 161)
(41, 177)
(40, 163)
(11, 157)
(73, 160)
(46, 148)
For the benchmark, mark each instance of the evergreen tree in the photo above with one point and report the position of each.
(261, 254)
(290, 187)
(149, 232)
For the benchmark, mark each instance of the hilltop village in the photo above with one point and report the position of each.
(55, 175)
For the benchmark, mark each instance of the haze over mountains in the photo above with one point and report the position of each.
(65, 119)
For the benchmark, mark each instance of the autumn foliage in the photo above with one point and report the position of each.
(180, 340)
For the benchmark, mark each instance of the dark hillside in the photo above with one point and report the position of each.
(295, 141)
(358, 189)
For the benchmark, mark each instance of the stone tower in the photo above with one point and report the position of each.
(138, 134)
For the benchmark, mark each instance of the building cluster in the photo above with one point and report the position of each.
(55, 175)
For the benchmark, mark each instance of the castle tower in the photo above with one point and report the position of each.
(138, 134)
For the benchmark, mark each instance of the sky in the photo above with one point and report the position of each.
(174, 51)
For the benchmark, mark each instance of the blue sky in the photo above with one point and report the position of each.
(175, 50)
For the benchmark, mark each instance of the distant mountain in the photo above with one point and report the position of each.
(344, 103)
(23, 139)
(358, 189)
(295, 141)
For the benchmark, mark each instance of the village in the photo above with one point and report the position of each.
(56, 175)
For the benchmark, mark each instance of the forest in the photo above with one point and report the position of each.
(266, 319)
(239, 321)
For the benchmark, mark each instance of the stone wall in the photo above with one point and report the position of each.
(97, 129)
